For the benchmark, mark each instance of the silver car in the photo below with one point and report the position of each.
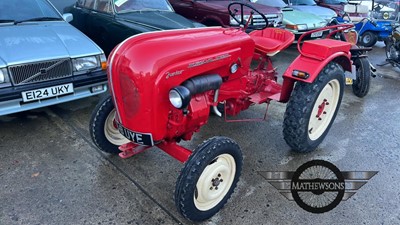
(43, 59)
(310, 6)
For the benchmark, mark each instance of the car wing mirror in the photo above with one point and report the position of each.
(68, 17)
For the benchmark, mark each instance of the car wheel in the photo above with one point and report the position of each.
(368, 39)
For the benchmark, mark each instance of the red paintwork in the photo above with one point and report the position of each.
(178, 152)
(316, 54)
(269, 41)
(145, 67)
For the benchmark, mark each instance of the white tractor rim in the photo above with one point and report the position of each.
(215, 182)
(324, 109)
(111, 132)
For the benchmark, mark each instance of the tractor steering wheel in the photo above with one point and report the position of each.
(241, 20)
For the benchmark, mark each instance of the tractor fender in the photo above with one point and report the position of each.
(313, 66)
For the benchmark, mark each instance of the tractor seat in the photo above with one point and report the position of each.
(270, 41)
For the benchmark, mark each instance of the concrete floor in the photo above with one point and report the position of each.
(51, 173)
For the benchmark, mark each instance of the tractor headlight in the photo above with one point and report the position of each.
(179, 97)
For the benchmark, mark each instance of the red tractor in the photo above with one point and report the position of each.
(163, 85)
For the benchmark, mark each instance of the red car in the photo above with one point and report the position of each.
(215, 12)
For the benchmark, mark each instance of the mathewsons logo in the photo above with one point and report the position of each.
(318, 186)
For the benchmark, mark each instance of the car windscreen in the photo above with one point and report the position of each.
(303, 2)
(336, 2)
(27, 10)
(122, 6)
(273, 3)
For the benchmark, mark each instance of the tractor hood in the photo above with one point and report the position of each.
(157, 20)
(144, 68)
(46, 40)
(322, 12)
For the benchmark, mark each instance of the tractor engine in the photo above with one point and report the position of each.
(164, 83)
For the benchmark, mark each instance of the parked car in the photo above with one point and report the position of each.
(309, 6)
(215, 12)
(109, 22)
(43, 59)
(296, 21)
(338, 7)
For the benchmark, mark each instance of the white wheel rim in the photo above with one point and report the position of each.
(215, 182)
(324, 109)
(111, 132)
(367, 39)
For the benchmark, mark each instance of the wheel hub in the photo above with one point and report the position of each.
(367, 39)
(321, 109)
(216, 182)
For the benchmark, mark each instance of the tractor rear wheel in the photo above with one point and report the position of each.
(363, 75)
(103, 130)
(208, 178)
(368, 39)
(312, 108)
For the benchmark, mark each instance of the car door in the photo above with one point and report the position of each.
(80, 13)
(100, 23)
(186, 8)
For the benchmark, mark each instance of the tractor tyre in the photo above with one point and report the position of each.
(103, 130)
(208, 178)
(368, 39)
(362, 82)
(312, 108)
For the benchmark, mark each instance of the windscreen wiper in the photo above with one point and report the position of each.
(7, 21)
(38, 19)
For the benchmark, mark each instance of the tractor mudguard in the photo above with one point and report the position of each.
(315, 55)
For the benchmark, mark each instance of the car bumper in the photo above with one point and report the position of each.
(298, 34)
(11, 98)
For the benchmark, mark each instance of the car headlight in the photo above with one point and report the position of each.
(238, 17)
(179, 97)
(298, 27)
(4, 77)
(88, 63)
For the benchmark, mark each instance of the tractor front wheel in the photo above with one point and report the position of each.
(312, 108)
(363, 75)
(103, 130)
(208, 178)
(368, 39)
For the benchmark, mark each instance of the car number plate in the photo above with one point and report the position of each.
(48, 92)
(316, 34)
(136, 137)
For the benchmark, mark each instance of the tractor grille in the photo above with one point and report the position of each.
(40, 71)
